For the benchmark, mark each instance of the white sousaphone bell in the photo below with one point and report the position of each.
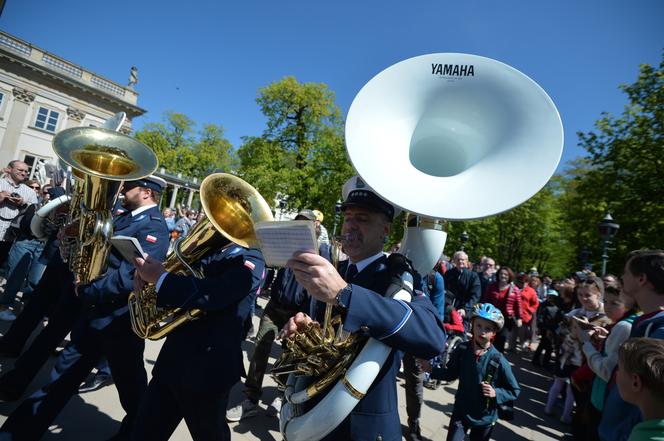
(442, 136)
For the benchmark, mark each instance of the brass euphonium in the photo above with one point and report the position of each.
(103, 159)
(231, 207)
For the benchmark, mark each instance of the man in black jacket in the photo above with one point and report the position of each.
(464, 284)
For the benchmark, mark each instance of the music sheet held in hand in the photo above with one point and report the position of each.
(280, 239)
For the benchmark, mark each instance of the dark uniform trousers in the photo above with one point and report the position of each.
(201, 360)
(55, 283)
(413, 327)
(124, 351)
(102, 329)
(274, 318)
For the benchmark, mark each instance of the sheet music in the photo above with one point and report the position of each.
(280, 239)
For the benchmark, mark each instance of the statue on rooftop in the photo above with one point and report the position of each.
(133, 77)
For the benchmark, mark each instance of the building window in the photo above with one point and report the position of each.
(35, 163)
(47, 119)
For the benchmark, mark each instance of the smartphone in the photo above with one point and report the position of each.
(582, 323)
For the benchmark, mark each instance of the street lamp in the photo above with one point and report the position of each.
(607, 229)
(337, 210)
(463, 238)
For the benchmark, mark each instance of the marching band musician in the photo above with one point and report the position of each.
(357, 290)
(103, 328)
(201, 360)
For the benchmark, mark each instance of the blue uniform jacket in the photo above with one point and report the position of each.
(407, 327)
(204, 356)
(110, 291)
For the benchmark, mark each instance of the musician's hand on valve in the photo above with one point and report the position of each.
(138, 283)
(149, 269)
(317, 276)
(296, 323)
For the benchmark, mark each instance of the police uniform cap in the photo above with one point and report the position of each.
(307, 214)
(358, 193)
(152, 182)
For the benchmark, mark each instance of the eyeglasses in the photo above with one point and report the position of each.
(591, 281)
(35, 188)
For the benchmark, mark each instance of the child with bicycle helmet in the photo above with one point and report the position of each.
(475, 405)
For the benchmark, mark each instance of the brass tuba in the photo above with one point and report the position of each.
(103, 159)
(461, 129)
(232, 207)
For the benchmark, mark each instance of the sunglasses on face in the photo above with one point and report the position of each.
(590, 282)
(35, 188)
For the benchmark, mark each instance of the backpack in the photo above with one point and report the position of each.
(506, 409)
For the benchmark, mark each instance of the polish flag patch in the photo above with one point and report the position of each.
(249, 265)
(151, 238)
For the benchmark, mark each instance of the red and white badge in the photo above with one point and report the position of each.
(151, 239)
(249, 265)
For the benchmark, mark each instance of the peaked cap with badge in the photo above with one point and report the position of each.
(356, 192)
(152, 182)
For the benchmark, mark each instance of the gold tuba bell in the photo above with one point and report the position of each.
(232, 207)
(103, 159)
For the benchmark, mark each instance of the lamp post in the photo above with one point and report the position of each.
(607, 229)
(463, 238)
(337, 210)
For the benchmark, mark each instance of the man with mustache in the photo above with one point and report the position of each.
(357, 291)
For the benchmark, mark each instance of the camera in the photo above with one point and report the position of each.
(14, 195)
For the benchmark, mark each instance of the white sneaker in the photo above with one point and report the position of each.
(275, 407)
(244, 410)
(7, 315)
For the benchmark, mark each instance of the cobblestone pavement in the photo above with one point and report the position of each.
(96, 415)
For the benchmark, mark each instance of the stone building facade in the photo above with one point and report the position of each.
(41, 94)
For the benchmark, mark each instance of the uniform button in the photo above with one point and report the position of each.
(364, 328)
(209, 348)
(379, 438)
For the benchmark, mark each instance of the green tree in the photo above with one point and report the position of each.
(301, 153)
(623, 174)
(525, 236)
(180, 148)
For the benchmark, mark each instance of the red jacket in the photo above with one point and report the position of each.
(529, 303)
(509, 305)
(456, 323)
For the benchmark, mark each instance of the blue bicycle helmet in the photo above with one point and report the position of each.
(489, 312)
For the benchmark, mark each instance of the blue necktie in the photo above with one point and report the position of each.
(351, 272)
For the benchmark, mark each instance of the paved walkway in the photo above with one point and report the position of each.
(96, 415)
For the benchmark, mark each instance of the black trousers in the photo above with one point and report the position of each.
(124, 351)
(56, 282)
(457, 431)
(414, 388)
(166, 404)
(28, 365)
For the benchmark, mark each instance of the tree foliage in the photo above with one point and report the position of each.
(623, 174)
(301, 153)
(181, 148)
(526, 236)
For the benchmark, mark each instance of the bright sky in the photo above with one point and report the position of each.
(208, 59)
